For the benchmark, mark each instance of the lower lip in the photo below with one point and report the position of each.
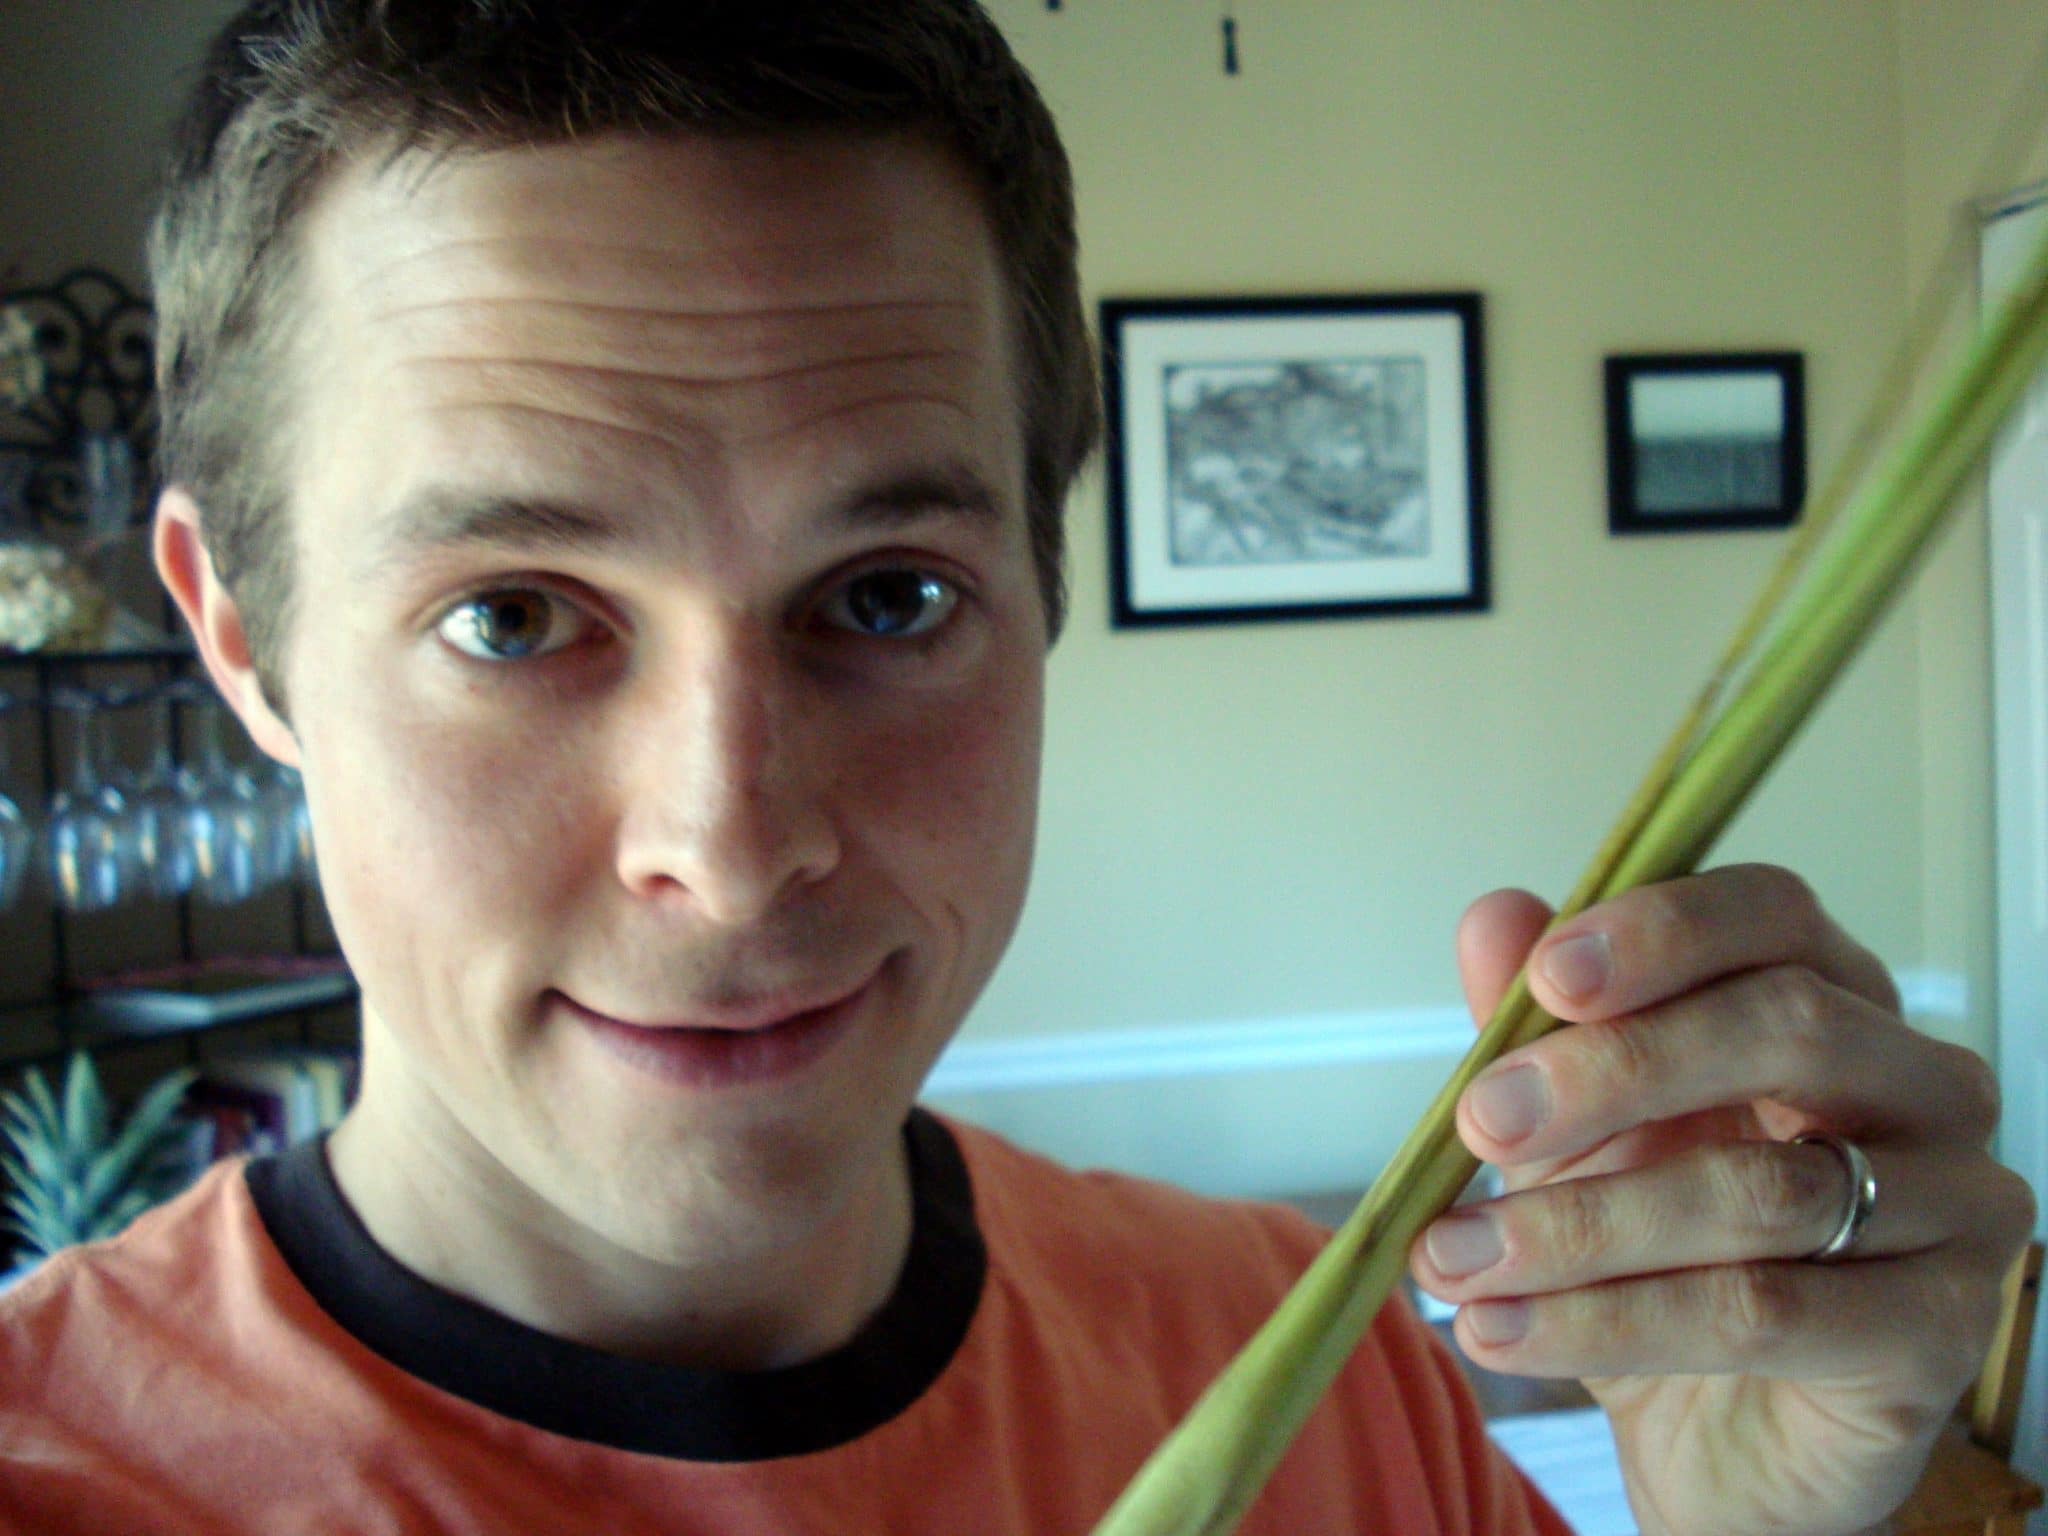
(726, 1058)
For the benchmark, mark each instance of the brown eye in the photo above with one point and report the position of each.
(893, 604)
(513, 624)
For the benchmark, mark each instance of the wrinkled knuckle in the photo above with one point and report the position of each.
(1781, 1195)
(1755, 1309)
(1801, 998)
(1580, 1228)
(1799, 1007)
(1621, 1058)
(1659, 916)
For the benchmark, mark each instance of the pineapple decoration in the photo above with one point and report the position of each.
(74, 1176)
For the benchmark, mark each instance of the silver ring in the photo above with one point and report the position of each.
(1862, 1195)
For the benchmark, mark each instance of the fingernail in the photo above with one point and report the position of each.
(1511, 1104)
(1498, 1322)
(1464, 1245)
(1580, 966)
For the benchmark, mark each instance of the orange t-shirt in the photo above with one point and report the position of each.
(245, 1360)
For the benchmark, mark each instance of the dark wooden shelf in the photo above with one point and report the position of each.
(39, 1032)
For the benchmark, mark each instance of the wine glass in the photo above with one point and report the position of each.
(231, 858)
(86, 839)
(288, 825)
(107, 467)
(17, 839)
(168, 818)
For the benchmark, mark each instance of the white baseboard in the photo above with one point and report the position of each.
(1278, 1106)
(1258, 1045)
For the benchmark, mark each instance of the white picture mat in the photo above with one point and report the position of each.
(1707, 405)
(1149, 346)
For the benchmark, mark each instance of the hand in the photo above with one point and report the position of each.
(1654, 1232)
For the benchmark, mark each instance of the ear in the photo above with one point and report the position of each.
(187, 570)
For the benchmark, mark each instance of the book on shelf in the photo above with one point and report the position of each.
(259, 1102)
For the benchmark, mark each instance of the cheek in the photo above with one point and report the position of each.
(424, 827)
(955, 791)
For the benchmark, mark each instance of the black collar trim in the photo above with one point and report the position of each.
(635, 1405)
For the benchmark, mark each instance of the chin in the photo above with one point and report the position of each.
(738, 1201)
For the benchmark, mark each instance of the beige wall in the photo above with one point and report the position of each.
(1253, 821)
(1965, 65)
(1244, 823)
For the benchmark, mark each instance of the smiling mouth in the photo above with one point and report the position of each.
(728, 1047)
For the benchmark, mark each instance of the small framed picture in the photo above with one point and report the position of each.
(1295, 458)
(1704, 441)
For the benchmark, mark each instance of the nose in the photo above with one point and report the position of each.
(728, 776)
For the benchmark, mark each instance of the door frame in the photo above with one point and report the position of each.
(2017, 514)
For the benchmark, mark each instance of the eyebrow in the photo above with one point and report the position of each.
(948, 490)
(443, 517)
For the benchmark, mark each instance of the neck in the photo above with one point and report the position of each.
(714, 1288)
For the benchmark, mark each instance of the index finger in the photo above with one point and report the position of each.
(1658, 942)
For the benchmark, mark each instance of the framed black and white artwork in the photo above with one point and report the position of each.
(1704, 441)
(1295, 458)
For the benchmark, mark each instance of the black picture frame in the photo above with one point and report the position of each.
(1295, 457)
(1705, 441)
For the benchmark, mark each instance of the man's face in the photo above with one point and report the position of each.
(666, 662)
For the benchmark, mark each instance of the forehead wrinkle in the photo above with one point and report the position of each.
(810, 419)
(631, 435)
(533, 218)
(643, 313)
(644, 276)
(497, 365)
(723, 343)
(697, 419)
(680, 420)
(654, 371)
(660, 255)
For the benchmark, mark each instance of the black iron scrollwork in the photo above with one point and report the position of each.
(95, 340)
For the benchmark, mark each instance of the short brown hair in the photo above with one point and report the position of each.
(292, 87)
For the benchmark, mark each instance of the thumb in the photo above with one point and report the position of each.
(1494, 937)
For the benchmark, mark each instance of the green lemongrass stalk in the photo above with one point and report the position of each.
(1946, 284)
(1850, 589)
(1205, 1476)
